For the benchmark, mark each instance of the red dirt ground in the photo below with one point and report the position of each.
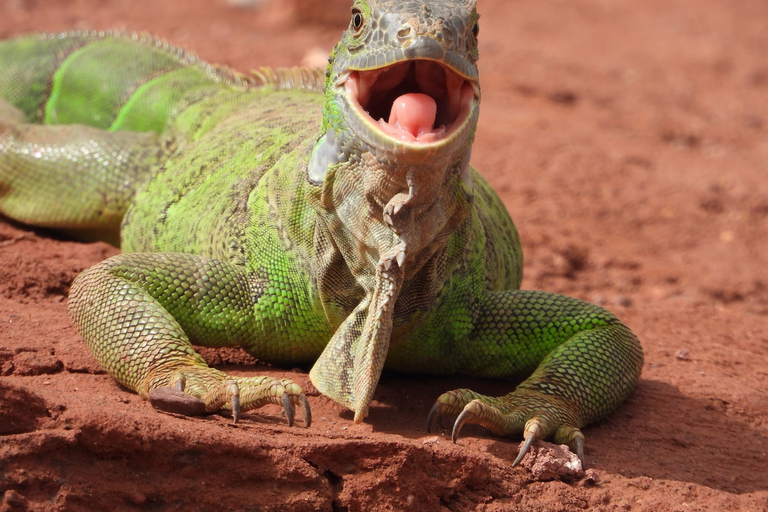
(630, 142)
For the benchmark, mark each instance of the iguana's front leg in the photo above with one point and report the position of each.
(589, 364)
(139, 314)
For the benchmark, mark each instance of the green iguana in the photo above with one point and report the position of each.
(304, 216)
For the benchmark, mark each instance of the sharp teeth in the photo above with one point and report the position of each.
(476, 89)
(400, 259)
(372, 92)
(342, 79)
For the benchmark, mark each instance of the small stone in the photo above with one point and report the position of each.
(591, 478)
(137, 498)
(549, 461)
(683, 354)
(13, 500)
(6, 368)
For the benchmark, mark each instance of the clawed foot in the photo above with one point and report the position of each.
(235, 394)
(536, 415)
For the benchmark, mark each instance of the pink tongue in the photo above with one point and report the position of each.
(413, 113)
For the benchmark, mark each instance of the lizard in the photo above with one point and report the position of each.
(308, 216)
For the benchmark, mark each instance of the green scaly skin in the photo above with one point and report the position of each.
(270, 211)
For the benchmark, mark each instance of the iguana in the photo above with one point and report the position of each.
(304, 216)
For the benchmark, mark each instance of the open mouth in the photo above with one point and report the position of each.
(417, 101)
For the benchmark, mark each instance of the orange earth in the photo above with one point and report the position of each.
(630, 142)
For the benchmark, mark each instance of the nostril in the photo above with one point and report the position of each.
(404, 33)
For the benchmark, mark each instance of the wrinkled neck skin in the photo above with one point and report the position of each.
(386, 216)
(392, 209)
(390, 178)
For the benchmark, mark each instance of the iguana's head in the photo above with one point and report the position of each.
(401, 107)
(402, 83)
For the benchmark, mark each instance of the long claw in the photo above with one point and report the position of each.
(532, 432)
(198, 391)
(305, 410)
(538, 416)
(450, 403)
(179, 382)
(431, 416)
(290, 411)
(579, 442)
(524, 450)
(460, 421)
(235, 401)
(574, 438)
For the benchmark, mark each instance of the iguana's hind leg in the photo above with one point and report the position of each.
(139, 314)
(72, 178)
(586, 363)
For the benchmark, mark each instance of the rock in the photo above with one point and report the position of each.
(547, 461)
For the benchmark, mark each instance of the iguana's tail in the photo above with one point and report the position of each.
(115, 107)
(102, 79)
(106, 100)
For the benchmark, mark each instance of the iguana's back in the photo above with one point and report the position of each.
(105, 80)
(238, 160)
(220, 132)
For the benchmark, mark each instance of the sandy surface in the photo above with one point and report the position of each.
(630, 142)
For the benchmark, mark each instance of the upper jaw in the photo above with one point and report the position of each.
(418, 102)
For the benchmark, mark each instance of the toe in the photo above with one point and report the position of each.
(533, 432)
(173, 400)
(450, 403)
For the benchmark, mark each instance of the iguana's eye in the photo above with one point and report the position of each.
(476, 29)
(357, 21)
